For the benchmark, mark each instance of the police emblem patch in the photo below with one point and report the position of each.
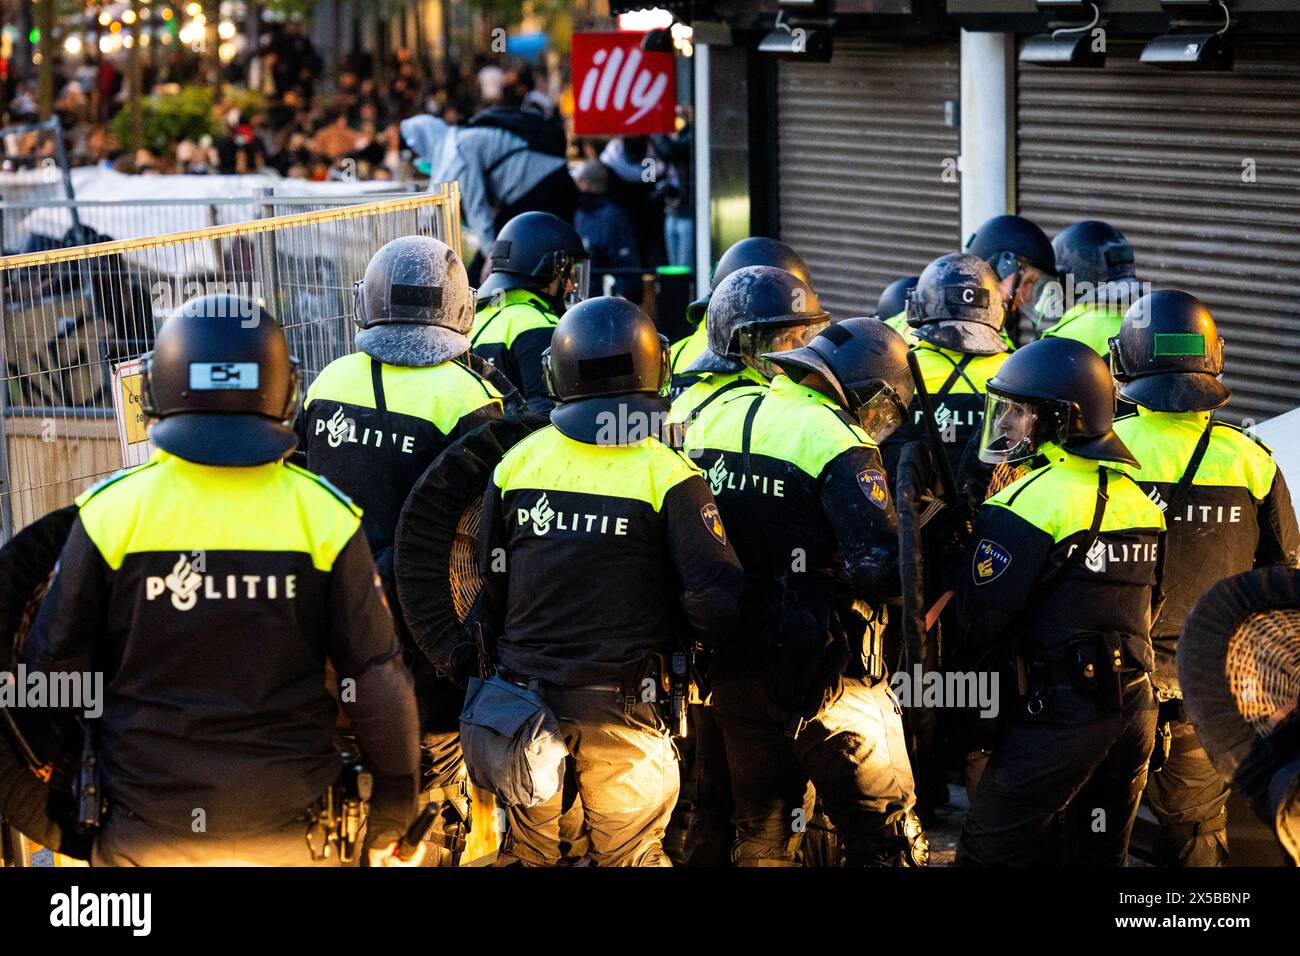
(713, 521)
(991, 559)
(875, 486)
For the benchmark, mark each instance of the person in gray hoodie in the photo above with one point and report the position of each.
(500, 175)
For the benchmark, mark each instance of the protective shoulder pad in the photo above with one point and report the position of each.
(329, 486)
(112, 479)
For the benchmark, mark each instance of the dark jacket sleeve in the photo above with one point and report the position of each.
(1004, 559)
(1279, 540)
(705, 561)
(855, 497)
(71, 619)
(526, 352)
(364, 648)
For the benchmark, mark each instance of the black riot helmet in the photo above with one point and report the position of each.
(1009, 243)
(608, 368)
(756, 310)
(865, 362)
(752, 251)
(1095, 252)
(1168, 354)
(1021, 256)
(414, 307)
(894, 299)
(533, 250)
(220, 384)
(958, 305)
(1053, 390)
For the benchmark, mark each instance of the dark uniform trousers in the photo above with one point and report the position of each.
(627, 776)
(1074, 755)
(127, 840)
(853, 753)
(709, 832)
(1188, 797)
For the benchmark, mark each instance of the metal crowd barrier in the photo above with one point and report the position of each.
(34, 223)
(71, 315)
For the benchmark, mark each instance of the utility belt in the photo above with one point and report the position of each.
(1096, 666)
(666, 679)
(337, 819)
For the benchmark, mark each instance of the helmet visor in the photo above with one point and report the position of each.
(755, 340)
(577, 282)
(1046, 306)
(1009, 429)
(1034, 284)
(359, 304)
(879, 411)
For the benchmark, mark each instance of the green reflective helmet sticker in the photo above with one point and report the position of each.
(1180, 343)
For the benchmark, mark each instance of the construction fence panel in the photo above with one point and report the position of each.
(72, 315)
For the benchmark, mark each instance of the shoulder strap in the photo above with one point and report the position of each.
(1075, 557)
(958, 370)
(718, 393)
(377, 383)
(1189, 473)
(747, 430)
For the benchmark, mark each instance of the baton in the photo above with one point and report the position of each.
(414, 836)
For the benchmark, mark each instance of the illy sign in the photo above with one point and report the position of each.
(620, 89)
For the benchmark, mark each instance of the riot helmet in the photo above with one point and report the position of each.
(865, 363)
(1021, 256)
(1094, 266)
(894, 299)
(1168, 355)
(414, 307)
(958, 305)
(607, 367)
(1057, 391)
(756, 310)
(541, 252)
(752, 251)
(220, 384)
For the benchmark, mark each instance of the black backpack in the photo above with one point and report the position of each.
(541, 134)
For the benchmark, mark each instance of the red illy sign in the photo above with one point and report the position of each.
(620, 89)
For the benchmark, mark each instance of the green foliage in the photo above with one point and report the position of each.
(169, 118)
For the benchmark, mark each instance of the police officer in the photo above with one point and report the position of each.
(1097, 264)
(892, 305)
(1021, 257)
(602, 552)
(374, 421)
(770, 308)
(538, 266)
(752, 251)
(774, 310)
(1228, 510)
(214, 585)
(956, 314)
(1060, 589)
(799, 690)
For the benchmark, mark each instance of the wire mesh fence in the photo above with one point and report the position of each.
(34, 223)
(71, 316)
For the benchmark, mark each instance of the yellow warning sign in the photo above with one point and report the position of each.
(132, 410)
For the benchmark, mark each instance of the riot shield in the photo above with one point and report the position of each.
(39, 751)
(435, 547)
(1239, 667)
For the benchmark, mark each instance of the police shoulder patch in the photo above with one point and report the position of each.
(875, 486)
(713, 521)
(991, 559)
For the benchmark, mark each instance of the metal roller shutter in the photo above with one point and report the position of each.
(1162, 155)
(862, 142)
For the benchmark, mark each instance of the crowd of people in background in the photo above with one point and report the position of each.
(281, 112)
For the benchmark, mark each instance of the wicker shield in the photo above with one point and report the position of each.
(1239, 667)
(435, 548)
